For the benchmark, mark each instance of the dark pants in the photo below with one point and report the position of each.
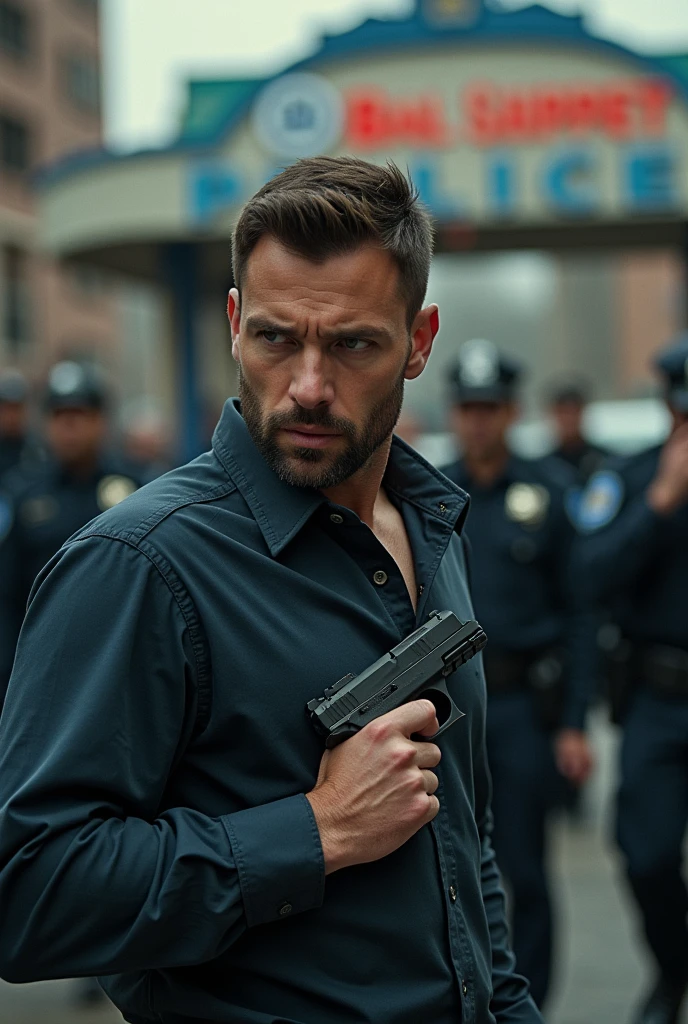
(652, 820)
(525, 788)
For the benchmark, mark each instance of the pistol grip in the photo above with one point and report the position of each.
(447, 711)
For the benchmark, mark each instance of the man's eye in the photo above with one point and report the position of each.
(273, 337)
(355, 344)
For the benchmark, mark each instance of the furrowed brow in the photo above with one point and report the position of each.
(357, 331)
(256, 323)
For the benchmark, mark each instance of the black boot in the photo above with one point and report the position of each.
(663, 1005)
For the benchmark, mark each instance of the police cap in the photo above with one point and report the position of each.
(672, 363)
(13, 387)
(483, 374)
(73, 385)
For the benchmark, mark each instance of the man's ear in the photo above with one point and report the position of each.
(234, 317)
(423, 333)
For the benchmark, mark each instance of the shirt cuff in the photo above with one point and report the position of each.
(279, 859)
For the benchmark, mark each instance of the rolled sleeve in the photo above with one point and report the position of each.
(279, 859)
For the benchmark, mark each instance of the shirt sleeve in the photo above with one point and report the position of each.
(580, 627)
(94, 879)
(511, 1000)
(611, 558)
(11, 596)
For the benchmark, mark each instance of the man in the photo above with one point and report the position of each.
(536, 661)
(567, 405)
(633, 559)
(158, 760)
(47, 504)
(15, 446)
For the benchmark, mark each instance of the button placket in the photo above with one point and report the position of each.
(380, 577)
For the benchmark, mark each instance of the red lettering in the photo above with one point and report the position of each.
(367, 119)
(583, 111)
(480, 114)
(615, 112)
(654, 97)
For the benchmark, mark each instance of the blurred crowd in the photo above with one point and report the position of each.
(579, 566)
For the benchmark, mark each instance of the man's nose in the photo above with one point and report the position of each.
(311, 383)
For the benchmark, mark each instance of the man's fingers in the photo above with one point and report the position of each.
(416, 716)
(428, 755)
(431, 781)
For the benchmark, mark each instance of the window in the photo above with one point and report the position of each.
(82, 82)
(14, 144)
(14, 29)
(16, 305)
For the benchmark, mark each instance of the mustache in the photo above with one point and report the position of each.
(310, 418)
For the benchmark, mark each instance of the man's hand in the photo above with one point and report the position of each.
(573, 755)
(669, 489)
(376, 790)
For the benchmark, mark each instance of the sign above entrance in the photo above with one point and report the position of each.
(487, 114)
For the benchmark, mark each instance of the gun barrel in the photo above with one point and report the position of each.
(433, 651)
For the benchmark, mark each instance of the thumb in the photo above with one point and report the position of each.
(322, 771)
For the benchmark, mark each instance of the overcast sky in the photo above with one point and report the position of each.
(152, 46)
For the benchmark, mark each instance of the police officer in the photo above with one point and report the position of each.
(567, 404)
(633, 559)
(535, 661)
(17, 447)
(41, 507)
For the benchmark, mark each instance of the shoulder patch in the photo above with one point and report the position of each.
(600, 501)
(6, 516)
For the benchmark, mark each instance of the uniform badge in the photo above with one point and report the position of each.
(527, 504)
(37, 511)
(601, 501)
(6, 517)
(113, 489)
(478, 364)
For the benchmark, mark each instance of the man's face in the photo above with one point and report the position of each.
(76, 435)
(568, 421)
(13, 417)
(482, 427)
(323, 352)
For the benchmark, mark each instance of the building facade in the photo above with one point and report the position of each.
(50, 105)
(555, 164)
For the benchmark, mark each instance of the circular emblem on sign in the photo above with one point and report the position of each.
(113, 489)
(527, 504)
(298, 115)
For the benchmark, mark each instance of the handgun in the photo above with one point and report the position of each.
(417, 667)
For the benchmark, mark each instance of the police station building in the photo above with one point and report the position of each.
(554, 162)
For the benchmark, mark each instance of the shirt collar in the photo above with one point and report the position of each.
(281, 510)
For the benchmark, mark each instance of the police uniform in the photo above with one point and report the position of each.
(585, 458)
(16, 450)
(41, 507)
(634, 562)
(536, 659)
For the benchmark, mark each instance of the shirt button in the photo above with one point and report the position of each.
(336, 518)
(380, 577)
(285, 909)
(464, 988)
(452, 893)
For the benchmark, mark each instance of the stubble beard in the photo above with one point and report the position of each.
(316, 467)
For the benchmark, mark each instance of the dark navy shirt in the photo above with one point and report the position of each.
(521, 539)
(631, 560)
(155, 753)
(39, 509)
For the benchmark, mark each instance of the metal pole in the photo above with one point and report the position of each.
(180, 262)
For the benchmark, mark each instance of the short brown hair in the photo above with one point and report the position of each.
(327, 206)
